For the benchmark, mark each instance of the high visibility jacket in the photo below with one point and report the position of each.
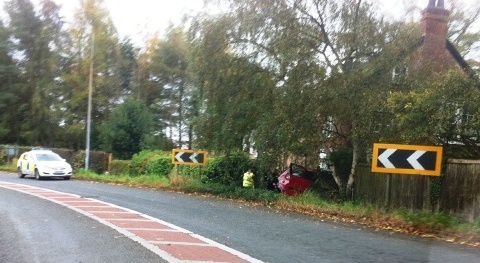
(248, 179)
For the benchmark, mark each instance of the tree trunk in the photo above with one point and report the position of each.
(338, 181)
(351, 176)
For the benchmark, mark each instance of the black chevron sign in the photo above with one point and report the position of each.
(407, 159)
(189, 157)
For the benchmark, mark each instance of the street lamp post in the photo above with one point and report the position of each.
(89, 110)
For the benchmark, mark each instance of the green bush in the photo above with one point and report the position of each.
(229, 169)
(3, 155)
(98, 161)
(193, 171)
(78, 161)
(159, 165)
(138, 165)
(119, 167)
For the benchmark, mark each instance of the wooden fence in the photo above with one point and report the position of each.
(456, 191)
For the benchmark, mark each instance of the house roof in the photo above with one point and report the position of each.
(434, 46)
(453, 51)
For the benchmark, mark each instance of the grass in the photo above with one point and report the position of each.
(10, 167)
(152, 181)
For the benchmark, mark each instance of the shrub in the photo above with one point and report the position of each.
(159, 165)
(138, 165)
(3, 155)
(192, 170)
(98, 161)
(119, 167)
(229, 169)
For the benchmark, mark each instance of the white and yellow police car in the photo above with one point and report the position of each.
(43, 163)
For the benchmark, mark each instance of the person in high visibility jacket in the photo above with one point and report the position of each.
(248, 178)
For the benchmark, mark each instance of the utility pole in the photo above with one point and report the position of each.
(89, 110)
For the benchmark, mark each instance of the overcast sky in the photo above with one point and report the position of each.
(135, 18)
(139, 18)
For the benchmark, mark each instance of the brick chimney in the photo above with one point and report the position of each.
(434, 52)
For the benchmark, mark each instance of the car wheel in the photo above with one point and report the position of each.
(20, 174)
(66, 177)
(37, 175)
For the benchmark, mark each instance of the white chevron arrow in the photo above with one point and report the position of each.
(383, 158)
(413, 160)
(178, 156)
(193, 157)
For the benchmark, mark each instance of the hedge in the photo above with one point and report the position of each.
(119, 167)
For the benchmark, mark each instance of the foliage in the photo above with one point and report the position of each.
(139, 162)
(128, 65)
(9, 98)
(314, 68)
(37, 39)
(98, 161)
(157, 141)
(436, 184)
(191, 170)
(166, 86)
(125, 131)
(3, 155)
(286, 78)
(160, 166)
(119, 167)
(96, 62)
(228, 169)
(341, 159)
(440, 112)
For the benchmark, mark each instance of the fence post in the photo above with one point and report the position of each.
(109, 165)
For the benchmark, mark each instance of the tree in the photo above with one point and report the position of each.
(232, 93)
(92, 29)
(168, 68)
(441, 112)
(128, 66)
(127, 129)
(38, 44)
(324, 61)
(326, 64)
(8, 87)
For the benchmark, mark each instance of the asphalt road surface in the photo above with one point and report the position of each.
(36, 230)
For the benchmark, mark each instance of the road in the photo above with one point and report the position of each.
(262, 233)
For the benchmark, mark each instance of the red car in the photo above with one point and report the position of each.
(296, 179)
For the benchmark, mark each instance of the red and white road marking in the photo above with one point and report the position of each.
(170, 242)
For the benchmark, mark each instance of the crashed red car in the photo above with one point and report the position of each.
(296, 179)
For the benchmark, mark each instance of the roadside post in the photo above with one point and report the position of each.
(388, 191)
